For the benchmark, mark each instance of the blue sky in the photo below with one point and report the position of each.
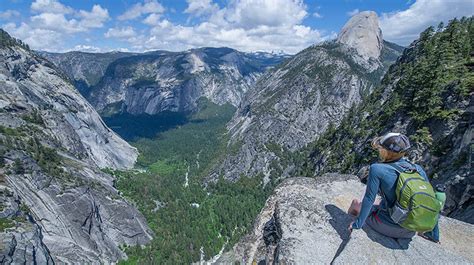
(248, 25)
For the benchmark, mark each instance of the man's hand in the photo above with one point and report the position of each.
(350, 227)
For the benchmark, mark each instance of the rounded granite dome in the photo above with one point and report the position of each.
(362, 32)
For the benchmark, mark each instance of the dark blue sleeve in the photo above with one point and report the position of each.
(373, 184)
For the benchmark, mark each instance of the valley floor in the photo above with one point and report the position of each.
(187, 218)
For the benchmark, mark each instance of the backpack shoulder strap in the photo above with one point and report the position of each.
(397, 168)
(401, 169)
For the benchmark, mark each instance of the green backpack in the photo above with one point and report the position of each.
(416, 208)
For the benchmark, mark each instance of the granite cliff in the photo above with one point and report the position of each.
(56, 204)
(83, 68)
(158, 81)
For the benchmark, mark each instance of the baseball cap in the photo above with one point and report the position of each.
(395, 142)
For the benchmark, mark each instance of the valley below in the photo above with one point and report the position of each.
(193, 221)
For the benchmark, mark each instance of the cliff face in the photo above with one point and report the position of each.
(293, 104)
(362, 33)
(163, 81)
(55, 202)
(83, 68)
(305, 222)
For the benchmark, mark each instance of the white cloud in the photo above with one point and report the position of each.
(85, 48)
(353, 12)
(50, 6)
(126, 32)
(8, 14)
(152, 19)
(404, 26)
(317, 15)
(246, 25)
(58, 21)
(95, 18)
(242, 24)
(37, 38)
(251, 13)
(55, 22)
(139, 9)
(52, 23)
(200, 7)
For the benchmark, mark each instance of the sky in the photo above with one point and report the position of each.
(286, 26)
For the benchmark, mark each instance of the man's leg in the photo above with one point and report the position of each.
(354, 209)
(394, 231)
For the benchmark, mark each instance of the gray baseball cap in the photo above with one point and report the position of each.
(395, 142)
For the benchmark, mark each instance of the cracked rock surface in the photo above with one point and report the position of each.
(311, 215)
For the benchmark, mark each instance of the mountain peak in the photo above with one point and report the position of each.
(362, 32)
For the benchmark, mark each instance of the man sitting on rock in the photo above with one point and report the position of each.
(382, 177)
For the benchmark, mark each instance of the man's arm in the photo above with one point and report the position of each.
(373, 184)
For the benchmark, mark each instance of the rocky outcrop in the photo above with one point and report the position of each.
(305, 222)
(23, 244)
(362, 33)
(56, 204)
(295, 103)
(30, 85)
(173, 81)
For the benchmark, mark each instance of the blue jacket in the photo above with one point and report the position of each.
(383, 178)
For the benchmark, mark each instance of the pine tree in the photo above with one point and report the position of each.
(18, 167)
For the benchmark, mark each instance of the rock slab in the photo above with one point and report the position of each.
(310, 213)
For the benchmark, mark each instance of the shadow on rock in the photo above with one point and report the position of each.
(386, 241)
(340, 221)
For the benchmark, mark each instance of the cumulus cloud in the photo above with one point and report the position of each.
(251, 13)
(246, 25)
(58, 21)
(353, 12)
(55, 22)
(37, 38)
(125, 32)
(95, 18)
(85, 48)
(404, 26)
(139, 9)
(52, 22)
(152, 19)
(50, 6)
(8, 14)
(200, 7)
